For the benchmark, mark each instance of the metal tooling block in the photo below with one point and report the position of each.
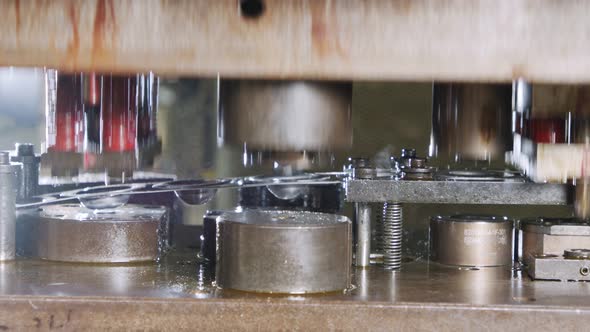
(457, 192)
(552, 236)
(554, 267)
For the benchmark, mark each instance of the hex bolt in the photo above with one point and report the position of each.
(408, 153)
(415, 169)
(29, 177)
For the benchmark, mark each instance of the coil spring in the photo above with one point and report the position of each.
(377, 242)
(392, 235)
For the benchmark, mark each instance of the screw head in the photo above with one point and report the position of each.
(25, 149)
(408, 153)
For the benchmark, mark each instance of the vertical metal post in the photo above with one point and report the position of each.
(29, 175)
(361, 169)
(363, 231)
(8, 190)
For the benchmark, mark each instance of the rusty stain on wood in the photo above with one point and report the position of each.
(540, 40)
(17, 16)
(323, 33)
(403, 6)
(74, 45)
(100, 32)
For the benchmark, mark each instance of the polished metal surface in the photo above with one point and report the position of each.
(457, 192)
(422, 296)
(522, 94)
(470, 121)
(468, 240)
(8, 193)
(303, 197)
(283, 252)
(209, 236)
(562, 268)
(362, 168)
(363, 234)
(71, 233)
(548, 237)
(556, 226)
(285, 115)
(308, 197)
(576, 254)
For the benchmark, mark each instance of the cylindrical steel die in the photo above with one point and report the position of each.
(284, 252)
(271, 115)
(71, 233)
(471, 121)
(466, 240)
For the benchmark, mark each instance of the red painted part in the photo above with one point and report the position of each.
(119, 113)
(547, 130)
(92, 89)
(90, 160)
(69, 131)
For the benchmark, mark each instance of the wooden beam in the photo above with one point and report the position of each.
(541, 40)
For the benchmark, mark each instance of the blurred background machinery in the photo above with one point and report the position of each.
(294, 165)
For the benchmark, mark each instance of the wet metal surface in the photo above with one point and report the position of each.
(181, 276)
(421, 296)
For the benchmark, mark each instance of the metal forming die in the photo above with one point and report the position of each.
(287, 252)
(71, 233)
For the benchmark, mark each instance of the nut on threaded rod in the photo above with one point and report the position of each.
(25, 149)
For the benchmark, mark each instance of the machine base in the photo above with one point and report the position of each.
(178, 293)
